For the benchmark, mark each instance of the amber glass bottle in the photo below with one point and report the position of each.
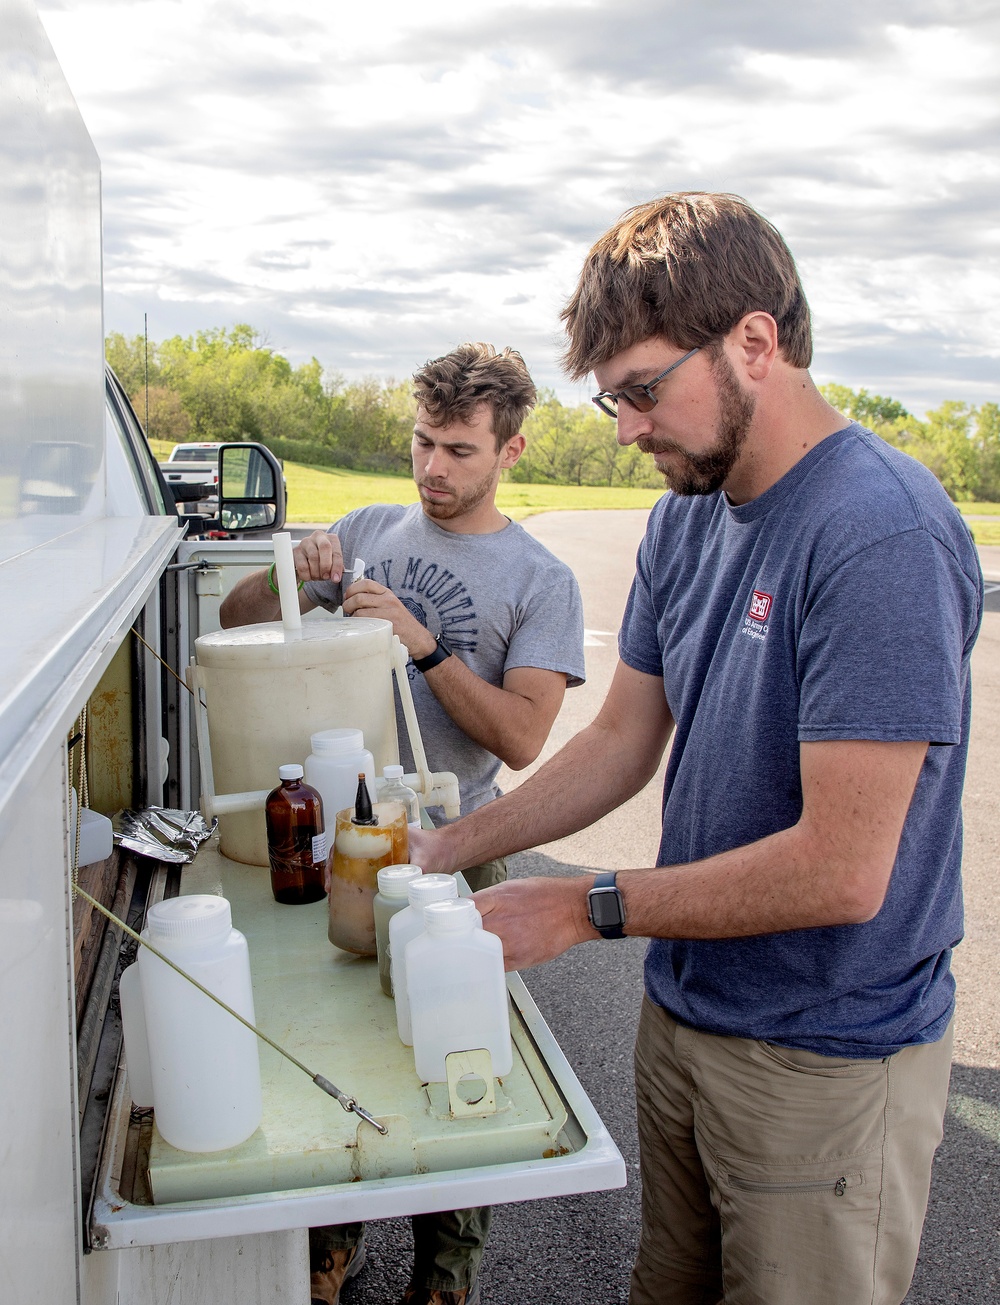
(296, 839)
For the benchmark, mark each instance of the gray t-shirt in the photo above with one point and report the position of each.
(500, 600)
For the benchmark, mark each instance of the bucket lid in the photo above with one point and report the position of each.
(264, 646)
(199, 917)
(393, 879)
(450, 916)
(337, 743)
(431, 888)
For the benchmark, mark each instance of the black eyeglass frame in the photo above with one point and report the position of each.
(631, 393)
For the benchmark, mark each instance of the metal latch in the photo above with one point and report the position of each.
(471, 1089)
(208, 582)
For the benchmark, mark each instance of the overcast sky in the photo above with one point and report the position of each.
(372, 183)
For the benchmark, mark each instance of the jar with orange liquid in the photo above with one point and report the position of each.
(370, 836)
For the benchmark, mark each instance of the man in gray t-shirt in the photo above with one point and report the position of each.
(494, 627)
(501, 602)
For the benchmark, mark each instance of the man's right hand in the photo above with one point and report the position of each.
(252, 599)
(319, 557)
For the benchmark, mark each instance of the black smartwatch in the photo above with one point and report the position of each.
(605, 906)
(433, 659)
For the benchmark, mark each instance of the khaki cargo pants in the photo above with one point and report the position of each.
(779, 1177)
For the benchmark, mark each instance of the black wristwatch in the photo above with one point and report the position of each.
(606, 907)
(433, 659)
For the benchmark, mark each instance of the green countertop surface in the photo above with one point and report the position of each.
(325, 1006)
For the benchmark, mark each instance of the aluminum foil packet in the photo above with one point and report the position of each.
(162, 833)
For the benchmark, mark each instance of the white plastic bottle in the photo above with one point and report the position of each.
(392, 789)
(457, 991)
(332, 769)
(140, 1082)
(390, 899)
(203, 1064)
(405, 925)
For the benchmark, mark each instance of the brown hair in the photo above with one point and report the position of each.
(686, 267)
(452, 388)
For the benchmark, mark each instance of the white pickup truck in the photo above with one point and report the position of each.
(195, 466)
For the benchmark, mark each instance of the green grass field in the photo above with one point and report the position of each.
(326, 493)
(983, 532)
(322, 494)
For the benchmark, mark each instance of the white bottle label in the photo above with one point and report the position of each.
(319, 848)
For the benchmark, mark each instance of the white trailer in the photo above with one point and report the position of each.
(95, 573)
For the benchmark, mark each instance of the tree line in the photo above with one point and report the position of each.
(230, 385)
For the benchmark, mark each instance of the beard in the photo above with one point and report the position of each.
(458, 504)
(704, 473)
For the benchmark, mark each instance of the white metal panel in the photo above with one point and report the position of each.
(51, 327)
(69, 603)
(269, 1269)
(39, 1219)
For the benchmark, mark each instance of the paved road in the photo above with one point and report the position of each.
(579, 1249)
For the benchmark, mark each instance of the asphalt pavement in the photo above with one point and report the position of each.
(579, 1249)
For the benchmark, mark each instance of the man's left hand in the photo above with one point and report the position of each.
(537, 919)
(370, 599)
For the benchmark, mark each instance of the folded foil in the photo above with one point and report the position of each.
(162, 833)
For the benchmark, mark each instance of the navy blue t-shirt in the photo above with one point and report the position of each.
(843, 603)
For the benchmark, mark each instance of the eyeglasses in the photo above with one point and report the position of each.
(641, 397)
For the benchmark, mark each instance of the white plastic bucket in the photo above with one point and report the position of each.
(266, 696)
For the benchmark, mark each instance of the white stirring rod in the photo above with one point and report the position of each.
(288, 585)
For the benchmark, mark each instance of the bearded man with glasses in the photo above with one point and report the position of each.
(801, 620)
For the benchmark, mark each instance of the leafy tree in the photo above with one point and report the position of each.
(944, 446)
(167, 417)
(986, 444)
(127, 358)
(873, 410)
(230, 384)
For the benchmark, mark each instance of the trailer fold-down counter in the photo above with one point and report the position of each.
(310, 1162)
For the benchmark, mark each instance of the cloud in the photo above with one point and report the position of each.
(372, 185)
(674, 44)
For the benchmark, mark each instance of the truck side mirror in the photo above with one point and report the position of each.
(251, 488)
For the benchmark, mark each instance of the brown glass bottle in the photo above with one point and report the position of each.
(296, 840)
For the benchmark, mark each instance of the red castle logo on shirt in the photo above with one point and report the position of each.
(760, 605)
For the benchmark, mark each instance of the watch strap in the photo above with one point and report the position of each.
(605, 883)
(440, 653)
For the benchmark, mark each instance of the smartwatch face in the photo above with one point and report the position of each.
(605, 908)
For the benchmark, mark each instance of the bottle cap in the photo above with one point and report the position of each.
(337, 743)
(200, 917)
(431, 888)
(392, 772)
(290, 772)
(450, 916)
(393, 879)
